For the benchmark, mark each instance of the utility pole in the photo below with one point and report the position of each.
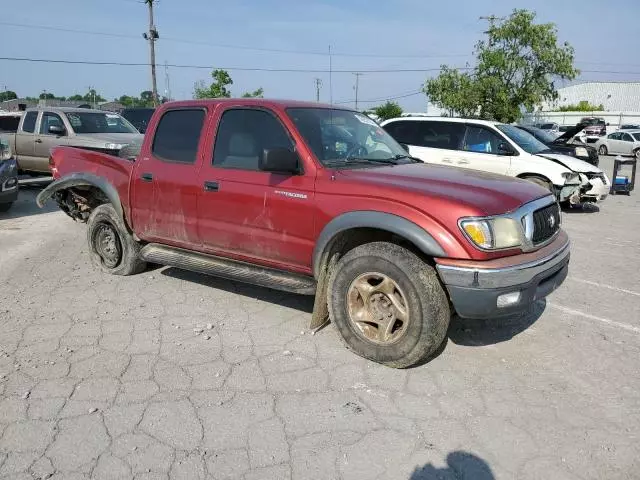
(318, 83)
(167, 84)
(330, 77)
(358, 75)
(151, 36)
(92, 92)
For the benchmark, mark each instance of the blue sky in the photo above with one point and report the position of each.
(426, 33)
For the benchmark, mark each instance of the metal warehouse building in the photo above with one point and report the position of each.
(615, 96)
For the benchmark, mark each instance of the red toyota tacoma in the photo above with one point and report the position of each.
(318, 200)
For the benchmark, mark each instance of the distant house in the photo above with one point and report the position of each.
(115, 107)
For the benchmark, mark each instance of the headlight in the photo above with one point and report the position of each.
(581, 152)
(568, 176)
(493, 233)
(114, 146)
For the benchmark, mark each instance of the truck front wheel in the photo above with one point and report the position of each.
(388, 305)
(111, 246)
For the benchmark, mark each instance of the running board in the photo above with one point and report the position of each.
(230, 269)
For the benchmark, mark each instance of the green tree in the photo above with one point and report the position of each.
(387, 110)
(47, 96)
(259, 93)
(581, 106)
(217, 89)
(7, 95)
(516, 68)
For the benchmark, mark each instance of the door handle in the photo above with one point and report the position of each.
(463, 162)
(147, 177)
(38, 140)
(211, 186)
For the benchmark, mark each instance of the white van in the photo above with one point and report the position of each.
(499, 148)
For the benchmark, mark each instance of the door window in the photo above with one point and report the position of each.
(481, 140)
(404, 131)
(29, 124)
(244, 134)
(178, 135)
(627, 138)
(49, 119)
(446, 135)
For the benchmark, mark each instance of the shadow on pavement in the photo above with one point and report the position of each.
(476, 333)
(582, 208)
(26, 206)
(303, 303)
(460, 466)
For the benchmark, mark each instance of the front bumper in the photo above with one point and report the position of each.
(476, 289)
(597, 190)
(8, 181)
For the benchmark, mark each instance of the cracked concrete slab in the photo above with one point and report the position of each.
(104, 377)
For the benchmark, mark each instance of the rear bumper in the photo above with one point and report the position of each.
(478, 291)
(8, 181)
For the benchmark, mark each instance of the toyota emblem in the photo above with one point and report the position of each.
(552, 221)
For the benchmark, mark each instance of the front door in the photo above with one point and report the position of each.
(480, 151)
(25, 137)
(626, 144)
(245, 212)
(165, 190)
(45, 141)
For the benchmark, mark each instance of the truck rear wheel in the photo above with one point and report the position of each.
(388, 305)
(111, 246)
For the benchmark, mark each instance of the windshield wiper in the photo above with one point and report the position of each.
(361, 161)
(408, 157)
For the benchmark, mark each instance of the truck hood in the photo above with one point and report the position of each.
(569, 134)
(99, 139)
(571, 163)
(487, 193)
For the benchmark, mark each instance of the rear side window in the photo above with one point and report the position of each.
(29, 124)
(178, 135)
(404, 131)
(445, 135)
(627, 138)
(9, 123)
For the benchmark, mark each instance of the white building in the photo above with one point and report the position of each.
(614, 96)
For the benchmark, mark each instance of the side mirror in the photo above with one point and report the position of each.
(279, 160)
(608, 124)
(505, 149)
(56, 130)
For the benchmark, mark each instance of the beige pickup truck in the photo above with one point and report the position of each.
(42, 129)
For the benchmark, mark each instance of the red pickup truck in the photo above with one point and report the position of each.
(318, 200)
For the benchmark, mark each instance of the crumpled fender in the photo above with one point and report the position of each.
(85, 180)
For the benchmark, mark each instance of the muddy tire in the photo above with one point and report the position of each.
(111, 246)
(603, 150)
(388, 305)
(636, 154)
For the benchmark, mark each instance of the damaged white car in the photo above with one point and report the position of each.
(499, 148)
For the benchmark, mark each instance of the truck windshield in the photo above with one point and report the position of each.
(524, 140)
(98, 122)
(344, 137)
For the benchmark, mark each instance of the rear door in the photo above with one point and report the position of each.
(248, 213)
(164, 183)
(626, 144)
(480, 151)
(25, 137)
(45, 141)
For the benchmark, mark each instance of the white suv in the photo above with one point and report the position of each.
(499, 148)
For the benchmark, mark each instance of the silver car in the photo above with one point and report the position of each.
(42, 129)
(624, 142)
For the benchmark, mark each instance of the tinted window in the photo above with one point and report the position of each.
(404, 131)
(447, 135)
(244, 134)
(139, 117)
(637, 137)
(178, 135)
(481, 140)
(29, 124)
(627, 138)
(524, 140)
(49, 119)
(98, 122)
(9, 123)
(613, 136)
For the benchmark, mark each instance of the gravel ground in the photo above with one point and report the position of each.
(170, 374)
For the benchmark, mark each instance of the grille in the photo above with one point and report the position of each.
(546, 222)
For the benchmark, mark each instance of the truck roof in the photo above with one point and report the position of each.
(264, 102)
(65, 109)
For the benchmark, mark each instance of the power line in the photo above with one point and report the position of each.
(209, 67)
(384, 99)
(230, 46)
